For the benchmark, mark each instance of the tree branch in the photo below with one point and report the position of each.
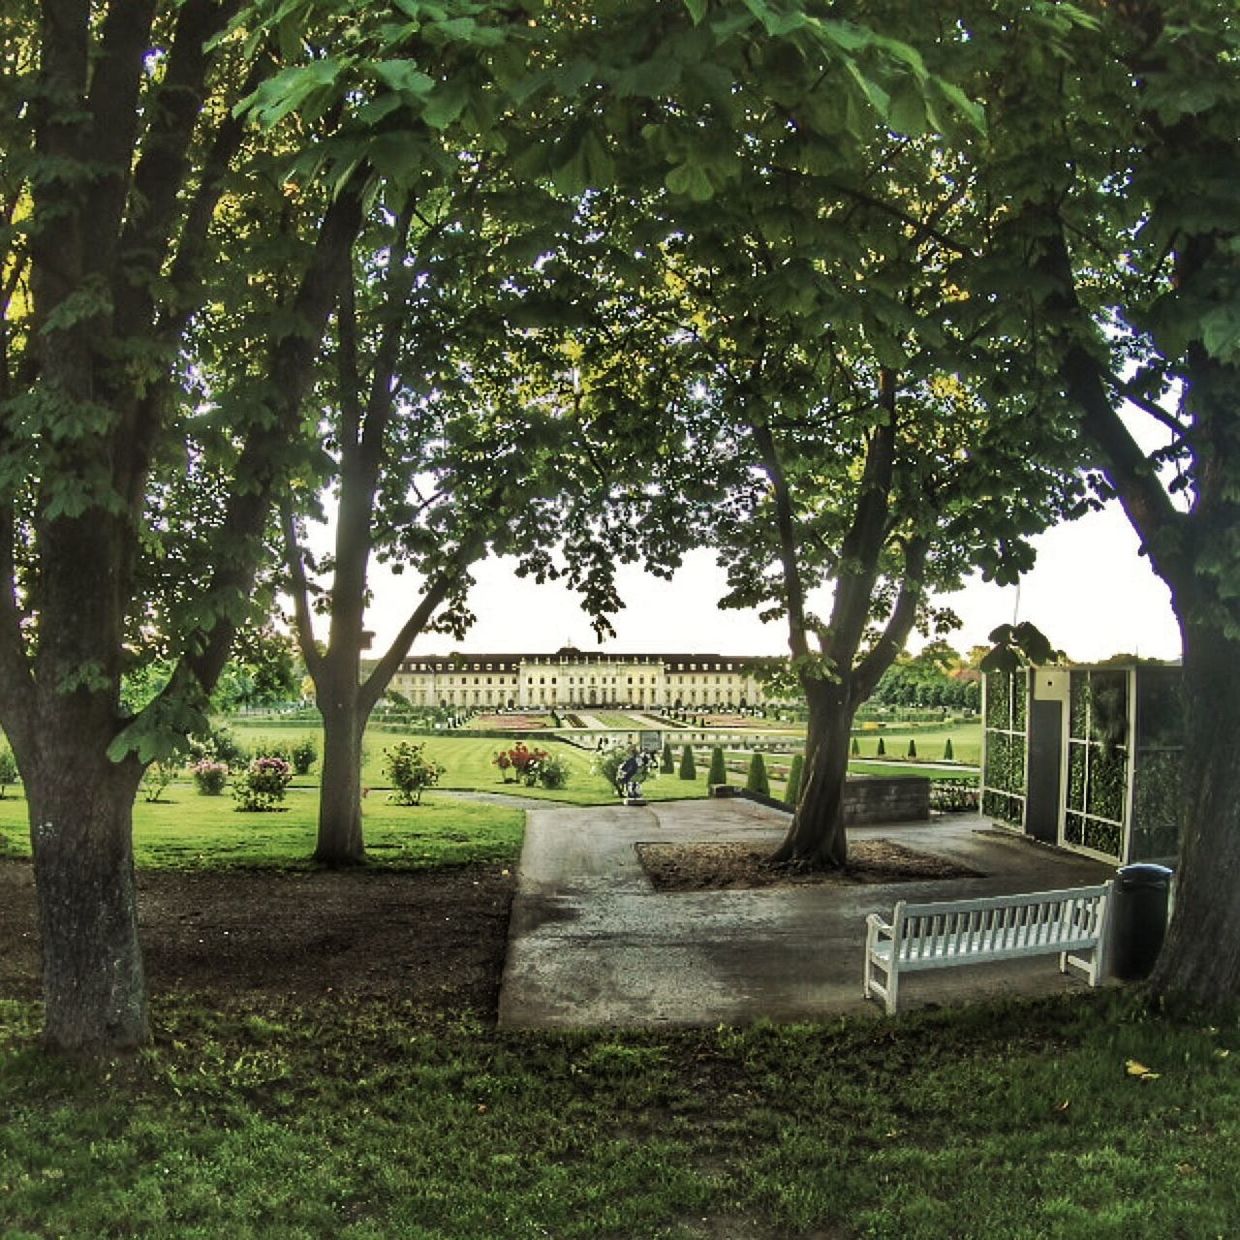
(372, 689)
(899, 624)
(160, 172)
(863, 544)
(785, 521)
(1129, 471)
(236, 545)
(115, 88)
(299, 588)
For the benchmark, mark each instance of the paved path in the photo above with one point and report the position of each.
(592, 944)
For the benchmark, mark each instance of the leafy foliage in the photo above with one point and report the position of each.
(410, 771)
(8, 769)
(796, 770)
(757, 779)
(688, 765)
(261, 786)
(156, 778)
(210, 776)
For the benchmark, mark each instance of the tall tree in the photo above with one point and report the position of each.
(123, 158)
(1119, 173)
(836, 422)
(436, 454)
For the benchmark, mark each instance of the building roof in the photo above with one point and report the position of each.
(509, 661)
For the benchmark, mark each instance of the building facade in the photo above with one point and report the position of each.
(572, 678)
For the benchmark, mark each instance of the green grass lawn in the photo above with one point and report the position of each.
(469, 765)
(373, 1121)
(370, 1119)
(188, 831)
(966, 739)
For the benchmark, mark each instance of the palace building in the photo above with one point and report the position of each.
(574, 678)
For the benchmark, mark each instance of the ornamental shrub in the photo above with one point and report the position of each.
(606, 761)
(410, 771)
(793, 791)
(718, 767)
(220, 744)
(262, 785)
(155, 779)
(522, 764)
(758, 781)
(8, 769)
(669, 759)
(912, 748)
(856, 747)
(881, 750)
(210, 776)
(303, 755)
(504, 762)
(552, 771)
(688, 767)
(948, 755)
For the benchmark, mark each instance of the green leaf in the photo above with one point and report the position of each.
(907, 114)
(972, 112)
(847, 36)
(649, 79)
(874, 94)
(697, 10)
(691, 180)
(446, 104)
(1220, 333)
(404, 76)
(288, 90)
(775, 24)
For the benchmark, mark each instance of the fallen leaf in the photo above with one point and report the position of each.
(1140, 1071)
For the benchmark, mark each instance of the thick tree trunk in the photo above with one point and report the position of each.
(1200, 962)
(817, 839)
(340, 839)
(81, 827)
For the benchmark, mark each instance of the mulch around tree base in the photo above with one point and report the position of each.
(434, 938)
(734, 866)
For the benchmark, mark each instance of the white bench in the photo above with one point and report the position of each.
(1070, 924)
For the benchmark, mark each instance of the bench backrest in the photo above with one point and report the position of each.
(1069, 918)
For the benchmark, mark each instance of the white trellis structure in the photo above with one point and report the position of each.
(1086, 757)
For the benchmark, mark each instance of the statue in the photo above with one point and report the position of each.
(631, 772)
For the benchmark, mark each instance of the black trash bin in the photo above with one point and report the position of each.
(1138, 919)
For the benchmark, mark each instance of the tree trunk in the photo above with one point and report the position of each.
(81, 827)
(817, 839)
(341, 840)
(1200, 962)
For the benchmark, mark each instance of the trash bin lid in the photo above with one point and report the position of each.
(1144, 874)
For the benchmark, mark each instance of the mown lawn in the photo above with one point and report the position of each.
(469, 765)
(187, 831)
(365, 1117)
(931, 741)
(372, 1121)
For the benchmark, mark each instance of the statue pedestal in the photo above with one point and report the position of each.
(634, 800)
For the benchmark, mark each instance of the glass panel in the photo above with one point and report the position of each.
(1160, 709)
(1076, 777)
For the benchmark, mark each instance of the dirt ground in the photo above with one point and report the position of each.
(434, 938)
(730, 866)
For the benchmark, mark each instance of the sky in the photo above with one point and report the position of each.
(1090, 593)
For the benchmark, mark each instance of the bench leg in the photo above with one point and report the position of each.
(893, 989)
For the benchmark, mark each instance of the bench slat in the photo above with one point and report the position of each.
(948, 933)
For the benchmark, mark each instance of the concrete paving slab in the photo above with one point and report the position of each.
(591, 943)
